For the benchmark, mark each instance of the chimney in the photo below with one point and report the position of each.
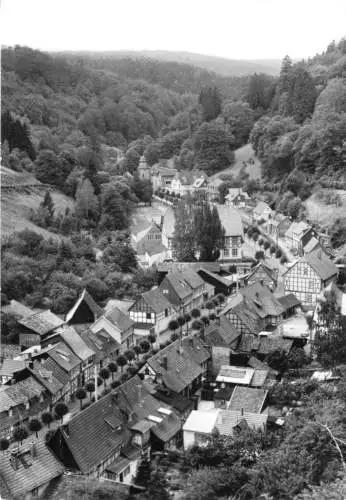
(33, 449)
(14, 462)
(242, 412)
(165, 363)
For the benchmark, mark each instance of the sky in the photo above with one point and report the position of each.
(236, 29)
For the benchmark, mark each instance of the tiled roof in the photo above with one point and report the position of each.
(119, 319)
(263, 300)
(76, 343)
(247, 399)
(16, 309)
(184, 282)
(24, 390)
(64, 356)
(41, 322)
(142, 426)
(119, 464)
(46, 378)
(223, 334)
(61, 375)
(321, 264)
(231, 220)
(173, 399)
(311, 245)
(96, 433)
(181, 370)
(272, 343)
(11, 366)
(5, 401)
(259, 378)
(100, 342)
(227, 420)
(249, 343)
(194, 350)
(261, 265)
(168, 428)
(156, 300)
(45, 467)
(288, 301)
(87, 298)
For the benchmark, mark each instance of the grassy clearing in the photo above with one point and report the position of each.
(10, 177)
(245, 153)
(323, 214)
(15, 209)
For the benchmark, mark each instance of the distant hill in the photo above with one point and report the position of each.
(220, 65)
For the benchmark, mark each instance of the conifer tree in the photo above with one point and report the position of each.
(48, 204)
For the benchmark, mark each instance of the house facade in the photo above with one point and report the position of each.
(234, 233)
(189, 181)
(152, 312)
(262, 211)
(118, 325)
(186, 290)
(309, 276)
(277, 226)
(298, 235)
(263, 274)
(236, 198)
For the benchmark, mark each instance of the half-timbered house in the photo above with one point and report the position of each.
(151, 313)
(264, 274)
(118, 325)
(309, 276)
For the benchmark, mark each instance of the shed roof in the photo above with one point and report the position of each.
(227, 420)
(247, 399)
(16, 309)
(235, 375)
(321, 264)
(201, 421)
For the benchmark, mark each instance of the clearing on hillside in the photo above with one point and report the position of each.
(322, 213)
(243, 154)
(16, 205)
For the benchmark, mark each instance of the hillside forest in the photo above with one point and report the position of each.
(81, 122)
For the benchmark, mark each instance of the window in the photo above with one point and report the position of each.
(165, 291)
(311, 284)
(126, 471)
(166, 313)
(226, 252)
(309, 298)
(305, 272)
(148, 316)
(234, 252)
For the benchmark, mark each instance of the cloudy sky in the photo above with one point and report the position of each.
(238, 29)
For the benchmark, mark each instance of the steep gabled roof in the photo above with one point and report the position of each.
(45, 467)
(230, 220)
(100, 342)
(150, 247)
(247, 399)
(234, 192)
(76, 343)
(87, 298)
(182, 369)
(64, 356)
(224, 333)
(188, 177)
(297, 229)
(321, 264)
(156, 300)
(263, 300)
(261, 265)
(96, 433)
(119, 319)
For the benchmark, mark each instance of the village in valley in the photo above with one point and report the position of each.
(173, 273)
(202, 352)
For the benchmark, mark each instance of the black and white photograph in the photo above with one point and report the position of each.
(173, 250)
